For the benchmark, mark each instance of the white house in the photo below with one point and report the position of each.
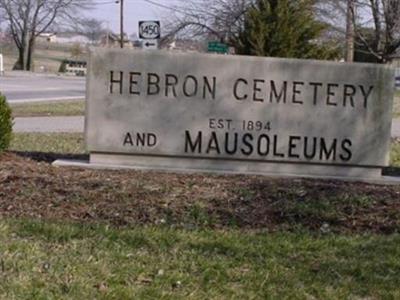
(50, 37)
(72, 38)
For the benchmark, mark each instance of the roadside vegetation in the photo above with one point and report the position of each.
(395, 153)
(47, 57)
(42, 260)
(69, 233)
(5, 124)
(53, 108)
(69, 143)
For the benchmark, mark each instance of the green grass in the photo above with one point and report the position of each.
(41, 260)
(395, 155)
(54, 108)
(71, 143)
(54, 260)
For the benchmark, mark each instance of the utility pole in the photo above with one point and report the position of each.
(108, 34)
(350, 31)
(121, 2)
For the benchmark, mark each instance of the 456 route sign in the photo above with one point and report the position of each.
(149, 30)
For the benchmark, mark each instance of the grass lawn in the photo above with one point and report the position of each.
(47, 260)
(71, 143)
(69, 233)
(395, 154)
(53, 108)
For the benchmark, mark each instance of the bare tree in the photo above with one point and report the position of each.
(384, 19)
(91, 28)
(27, 19)
(376, 24)
(332, 12)
(224, 19)
(350, 31)
(219, 19)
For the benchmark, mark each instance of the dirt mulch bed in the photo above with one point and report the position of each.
(35, 189)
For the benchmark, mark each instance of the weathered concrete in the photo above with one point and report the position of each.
(238, 114)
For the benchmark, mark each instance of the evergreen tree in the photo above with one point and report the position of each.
(283, 28)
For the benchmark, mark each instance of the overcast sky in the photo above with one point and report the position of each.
(134, 11)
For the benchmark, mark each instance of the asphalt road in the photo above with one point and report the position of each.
(396, 128)
(28, 87)
(49, 124)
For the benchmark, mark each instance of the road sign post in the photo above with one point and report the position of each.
(1, 64)
(149, 32)
(217, 47)
(150, 44)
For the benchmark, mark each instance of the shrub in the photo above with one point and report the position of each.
(63, 67)
(5, 123)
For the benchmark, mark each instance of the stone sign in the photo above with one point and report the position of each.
(238, 114)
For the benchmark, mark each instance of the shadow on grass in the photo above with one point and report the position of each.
(391, 171)
(50, 157)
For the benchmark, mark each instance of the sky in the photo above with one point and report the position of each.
(134, 11)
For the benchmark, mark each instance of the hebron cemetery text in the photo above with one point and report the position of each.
(260, 90)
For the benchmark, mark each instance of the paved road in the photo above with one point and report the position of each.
(28, 87)
(396, 128)
(49, 124)
(76, 124)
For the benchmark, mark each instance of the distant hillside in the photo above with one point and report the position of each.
(47, 56)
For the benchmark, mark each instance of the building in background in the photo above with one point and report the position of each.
(112, 40)
(186, 45)
(49, 37)
(72, 38)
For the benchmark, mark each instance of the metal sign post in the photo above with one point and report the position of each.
(150, 32)
(217, 47)
(397, 78)
(150, 44)
(1, 65)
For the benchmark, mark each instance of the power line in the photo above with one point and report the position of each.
(105, 2)
(172, 8)
(165, 6)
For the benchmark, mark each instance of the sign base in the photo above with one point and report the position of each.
(283, 170)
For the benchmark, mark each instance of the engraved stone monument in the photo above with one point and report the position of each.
(177, 111)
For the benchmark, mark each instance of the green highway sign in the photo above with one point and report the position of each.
(217, 47)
